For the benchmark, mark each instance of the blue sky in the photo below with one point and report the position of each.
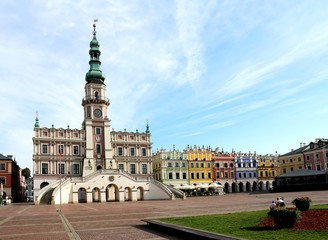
(242, 75)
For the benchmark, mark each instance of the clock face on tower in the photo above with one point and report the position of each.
(97, 113)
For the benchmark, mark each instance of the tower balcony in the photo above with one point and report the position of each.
(94, 99)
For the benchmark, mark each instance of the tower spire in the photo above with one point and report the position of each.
(36, 124)
(94, 74)
(147, 128)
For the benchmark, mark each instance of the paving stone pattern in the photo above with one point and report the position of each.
(122, 220)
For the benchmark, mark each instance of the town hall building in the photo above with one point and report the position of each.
(95, 163)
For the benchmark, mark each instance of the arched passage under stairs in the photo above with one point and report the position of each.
(43, 184)
(96, 195)
(112, 193)
(127, 194)
(140, 194)
(82, 195)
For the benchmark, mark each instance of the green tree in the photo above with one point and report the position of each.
(26, 172)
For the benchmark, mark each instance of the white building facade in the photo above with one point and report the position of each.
(93, 164)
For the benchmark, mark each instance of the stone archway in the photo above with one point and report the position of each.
(234, 187)
(112, 193)
(140, 194)
(227, 187)
(127, 194)
(255, 186)
(248, 187)
(82, 195)
(96, 195)
(261, 186)
(240, 187)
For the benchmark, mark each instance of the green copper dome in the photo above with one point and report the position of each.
(94, 74)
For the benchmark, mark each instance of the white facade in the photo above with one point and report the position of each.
(94, 163)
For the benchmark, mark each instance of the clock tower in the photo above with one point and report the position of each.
(98, 147)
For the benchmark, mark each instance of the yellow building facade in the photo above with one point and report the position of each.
(292, 160)
(199, 164)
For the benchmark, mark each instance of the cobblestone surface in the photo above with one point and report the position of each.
(122, 220)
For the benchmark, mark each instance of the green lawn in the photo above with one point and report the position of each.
(245, 225)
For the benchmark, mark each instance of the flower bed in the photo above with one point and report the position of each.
(310, 220)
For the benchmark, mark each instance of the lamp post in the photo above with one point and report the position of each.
(60, 176)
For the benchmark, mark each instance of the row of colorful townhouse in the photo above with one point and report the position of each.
(235, 171)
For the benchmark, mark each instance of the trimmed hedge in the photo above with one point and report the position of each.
(285, 217)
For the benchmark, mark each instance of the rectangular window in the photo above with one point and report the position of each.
(284, 170)
(3, 180)
(133, 168)
(61, 167)
(98, 131)
(60, 149)
(44, 148)
(202, 165)
(121, 166)
(244, 175)
(131, 151)
(318, 167)
(184, 175)
(183, 164)
(191, 165)
(209, 165)
(250, 175)
(169, 164)
(44, 168)
(170, 175)
(217, 174)
(226, 174)
(232, 175)
(239, 174)
(76, 150)
(197, 165)
(192, 175)
(176, 164)
(143, 152)
(144, 168)
(254, 174)
(203, 175)
(98, 148)
(2, 166)
(76, 168)
(209, 175)
(177, 175)
(120, 151)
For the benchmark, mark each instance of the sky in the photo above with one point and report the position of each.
(239, 75)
